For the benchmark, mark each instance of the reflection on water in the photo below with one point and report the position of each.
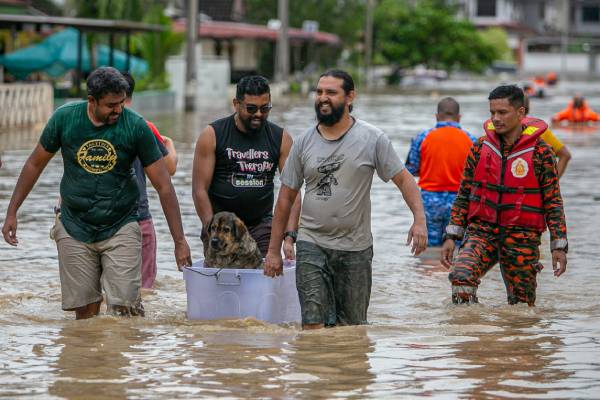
(417, 344)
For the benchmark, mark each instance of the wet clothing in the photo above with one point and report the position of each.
(439, 172)
(334, 286)
(112, 264)
(140, 175)
(334, 250)
(483, 247)
(515, 247)
(261, 233)
(437, 214)
(245, 165)
(99, 192)
(336, 209)
(438, 169)
(506, 190)
(149, 266)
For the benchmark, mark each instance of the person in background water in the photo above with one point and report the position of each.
(235, 162)
(97, 235)
(337, 159)
(560, 150)
(167, 149)
(577, 111)
(508, 196)
(440, 170)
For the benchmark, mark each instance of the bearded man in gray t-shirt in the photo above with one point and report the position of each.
(337, 159)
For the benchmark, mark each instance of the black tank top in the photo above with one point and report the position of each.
(245, 165)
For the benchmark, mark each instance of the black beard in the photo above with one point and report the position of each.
(248, 126)
(332, 118)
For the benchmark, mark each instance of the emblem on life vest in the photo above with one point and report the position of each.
(519, 168)
(97, 156)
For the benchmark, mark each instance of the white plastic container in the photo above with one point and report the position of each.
(214, 293)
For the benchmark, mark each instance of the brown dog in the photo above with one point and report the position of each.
(229, 245)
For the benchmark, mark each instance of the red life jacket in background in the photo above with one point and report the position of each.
(505, 189)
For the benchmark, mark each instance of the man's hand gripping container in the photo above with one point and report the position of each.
(214, 293)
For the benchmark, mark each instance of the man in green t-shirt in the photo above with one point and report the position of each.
(97, 234)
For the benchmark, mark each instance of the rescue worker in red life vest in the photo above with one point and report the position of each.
(508, 196)
(562, 153)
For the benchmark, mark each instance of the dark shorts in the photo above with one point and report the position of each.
(334, 286)
(261, 233)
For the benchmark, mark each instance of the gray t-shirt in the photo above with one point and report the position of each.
(336, 209)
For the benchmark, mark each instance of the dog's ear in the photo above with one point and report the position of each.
(210, 223)
(239, 229)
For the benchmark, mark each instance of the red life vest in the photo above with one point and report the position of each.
(505, 189)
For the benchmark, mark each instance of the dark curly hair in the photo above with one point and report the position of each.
(253, 85)
(105, 80)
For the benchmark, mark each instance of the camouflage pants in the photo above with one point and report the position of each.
(517, 253)
(437, 213)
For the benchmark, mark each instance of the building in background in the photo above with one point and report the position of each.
(250, 48)
(545, 35)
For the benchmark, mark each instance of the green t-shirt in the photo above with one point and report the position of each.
(99, 192)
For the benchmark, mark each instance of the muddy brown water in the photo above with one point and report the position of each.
(417, 343)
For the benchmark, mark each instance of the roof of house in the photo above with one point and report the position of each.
(235, 30)
(90, 24)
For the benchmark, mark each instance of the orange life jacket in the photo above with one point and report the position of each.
(572, 114)
(505, 189)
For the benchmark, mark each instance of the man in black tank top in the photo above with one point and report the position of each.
(235, 162)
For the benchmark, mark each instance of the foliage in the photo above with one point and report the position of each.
(155, 48)
(498, 38)
(110, 9)
(429, 34)
(342, 17)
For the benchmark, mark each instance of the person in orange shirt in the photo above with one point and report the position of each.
(437, 156)
(577, 111)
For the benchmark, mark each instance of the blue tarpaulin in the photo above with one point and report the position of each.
(57, 54)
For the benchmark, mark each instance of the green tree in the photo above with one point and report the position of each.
(345, 18)
(130, 10)
(498, 38)
(156, 47)
(429, 34)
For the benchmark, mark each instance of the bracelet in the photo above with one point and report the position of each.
(292, 234)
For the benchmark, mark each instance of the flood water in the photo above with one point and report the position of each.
(417, 343)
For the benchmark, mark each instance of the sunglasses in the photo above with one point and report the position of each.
(253, 108)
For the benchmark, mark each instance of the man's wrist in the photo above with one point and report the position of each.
(447, 236)
(291, 234)
(454, 232)
(559, 244)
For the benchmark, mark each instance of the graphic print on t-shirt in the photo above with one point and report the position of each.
(251, 167)
(97, 156)
(327, 169)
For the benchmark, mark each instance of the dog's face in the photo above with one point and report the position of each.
(225, 231)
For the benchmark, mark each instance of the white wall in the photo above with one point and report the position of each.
(212, 76)
(544, 62)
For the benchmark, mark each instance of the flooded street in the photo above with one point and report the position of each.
(417, 343)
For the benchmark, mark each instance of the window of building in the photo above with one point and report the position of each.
(542, 10)
(486, 8)
(590, 13)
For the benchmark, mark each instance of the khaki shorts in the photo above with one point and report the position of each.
(86, 268)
